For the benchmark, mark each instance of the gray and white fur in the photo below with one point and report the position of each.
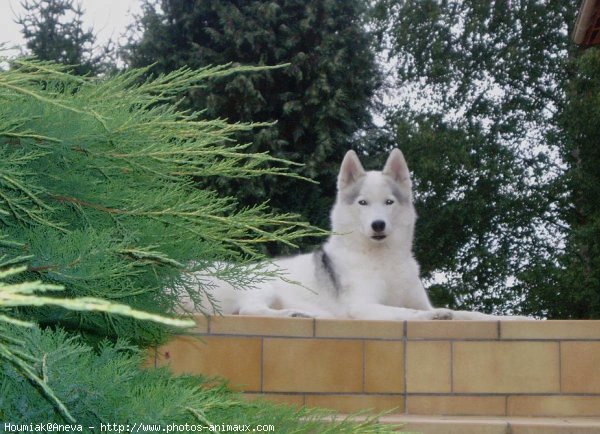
(365, 270)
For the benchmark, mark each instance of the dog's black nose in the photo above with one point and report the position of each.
(378, 225)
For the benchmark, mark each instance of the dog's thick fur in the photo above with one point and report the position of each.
(366, 270)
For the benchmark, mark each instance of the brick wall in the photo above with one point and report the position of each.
(533, 368)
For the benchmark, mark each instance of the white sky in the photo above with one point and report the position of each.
(109, 18)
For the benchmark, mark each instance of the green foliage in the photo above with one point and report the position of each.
(97, 188)
(53, 30)
(481, 86)
(465, 207)
(319, 101)
(107, 386)
(11, 343)
(569, 287)
(492, 59)
(27, 294)
(98, 196)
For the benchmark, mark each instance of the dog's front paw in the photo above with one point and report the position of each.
(517, 318)
(297, 313)
(438, 314)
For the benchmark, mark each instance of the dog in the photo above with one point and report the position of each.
(365, 270)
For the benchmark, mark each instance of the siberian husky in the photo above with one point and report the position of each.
(365, 270)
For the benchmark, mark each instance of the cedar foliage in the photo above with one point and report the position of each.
(101, 173)
(97, 199)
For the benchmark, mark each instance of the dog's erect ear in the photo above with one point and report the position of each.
(350, 171)
(396, 167)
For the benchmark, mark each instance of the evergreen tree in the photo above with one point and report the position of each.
(53, 30)
(319, 101)
(127, 220)
(481, 84)
(97, 200)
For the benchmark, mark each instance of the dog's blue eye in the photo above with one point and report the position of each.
(389, 202)
(362, 202)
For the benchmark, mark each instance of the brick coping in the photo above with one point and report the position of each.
(396, 330)
(497, 369)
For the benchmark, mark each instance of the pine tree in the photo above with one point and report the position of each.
(481, 84)
(53, 30)
(99, 212)
(320, 101)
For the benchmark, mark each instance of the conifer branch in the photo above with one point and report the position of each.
(99, 195)
(22, 294)
(9, 355)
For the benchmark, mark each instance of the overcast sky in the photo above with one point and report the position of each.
(109, 18)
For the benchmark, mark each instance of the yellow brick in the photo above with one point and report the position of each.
(336, 328)
(580, 366)
(554, 330)
(312, 365)
(428, 366)
(452, 330)
(456, 405)
(237, 359)
(506, 367)
(201, 325)
(257, 325)
(384, 367)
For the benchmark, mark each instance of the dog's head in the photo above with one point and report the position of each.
(375, 204)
